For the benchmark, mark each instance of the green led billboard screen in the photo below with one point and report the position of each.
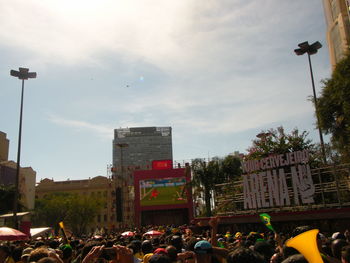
(163, 191)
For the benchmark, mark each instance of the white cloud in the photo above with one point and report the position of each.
(83, 126)
(174, 35)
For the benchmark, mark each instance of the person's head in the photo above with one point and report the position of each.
(47, 260)
(136, 246)
(300, 229)
(17, 253)
(297, 258)
(172, 253)
(39, 243)
(88, 246)
(67, 251)
(54, 243)
(276, 258)
(337, 246)
(289, 251)
(338, 235)
(345, 254)
(176, 241)
(160, 250)
(159, 258)
(4, 251)
(204, 251)
(38, 253)
(203, 247)
(26, 253)
(191, 243)
(146, 247)
(155, 242)
(244, 255)
(264, 249)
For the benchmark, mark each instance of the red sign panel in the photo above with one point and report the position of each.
(162, 164)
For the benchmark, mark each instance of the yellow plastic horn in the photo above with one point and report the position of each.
(306, 244)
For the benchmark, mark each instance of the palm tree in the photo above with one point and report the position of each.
(205, 176)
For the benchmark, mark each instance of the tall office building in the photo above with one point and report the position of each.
(338, 28)
(135, 149)
(138, 147)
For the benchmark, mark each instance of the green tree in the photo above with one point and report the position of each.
(51, 209)
(7, 194)
(82, 212)
(334, 108)
(231, 168)
(205, 176)
(77, 212)
(277, 141)
(208, 174)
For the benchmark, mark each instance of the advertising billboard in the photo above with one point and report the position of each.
(163, 191)
(163, 195)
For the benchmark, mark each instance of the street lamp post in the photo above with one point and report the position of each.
(311, 50)
(22, 74)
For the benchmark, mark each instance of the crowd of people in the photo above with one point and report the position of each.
(176, 245)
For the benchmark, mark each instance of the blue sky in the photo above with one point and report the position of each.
(218, 72)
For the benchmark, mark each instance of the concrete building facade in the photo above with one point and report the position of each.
(4, 147)
(100, 187)
(338, 28)
(135, 149)
(27, 176)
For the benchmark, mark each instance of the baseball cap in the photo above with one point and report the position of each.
(161, 251)
(202, 247)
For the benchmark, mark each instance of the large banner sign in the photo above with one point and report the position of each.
(265, 184)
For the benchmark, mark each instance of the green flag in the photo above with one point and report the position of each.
(266, 218)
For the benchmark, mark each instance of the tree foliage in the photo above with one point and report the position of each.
(7, 195)
(207, 174)
(334, 108)
(204, 178)
(82, 212)
(277, 141)
(76, 211)
(231, 168)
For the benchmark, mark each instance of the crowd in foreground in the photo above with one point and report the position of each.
(176, 245)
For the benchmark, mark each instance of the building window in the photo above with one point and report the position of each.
(105, 218)
(99, 218)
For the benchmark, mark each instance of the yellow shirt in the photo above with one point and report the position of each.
(9, 260)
